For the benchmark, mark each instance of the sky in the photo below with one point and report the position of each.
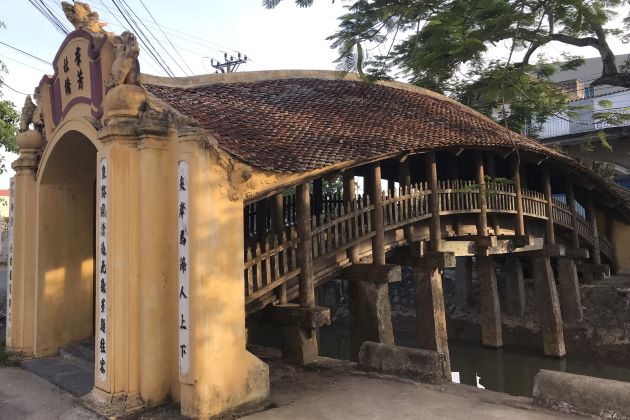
(284, 38)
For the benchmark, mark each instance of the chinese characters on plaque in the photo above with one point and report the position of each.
(9, 315)
(184, 268)
(101, 271)
(73, 77)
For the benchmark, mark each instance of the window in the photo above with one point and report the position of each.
(589, 91)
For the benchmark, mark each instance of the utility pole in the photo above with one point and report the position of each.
(230, 64)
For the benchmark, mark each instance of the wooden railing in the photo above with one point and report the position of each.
(273, 263)
(342, 227)
(409, 205)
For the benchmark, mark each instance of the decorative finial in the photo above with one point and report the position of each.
(82, 17)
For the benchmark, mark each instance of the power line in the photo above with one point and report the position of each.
(24, 64)
(49, 15)
(168, 39)
(3, 83)
(25, 53)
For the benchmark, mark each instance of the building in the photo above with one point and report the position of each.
(576, 132)
(128, 220)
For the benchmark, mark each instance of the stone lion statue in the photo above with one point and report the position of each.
(28, 111)
(125, 68)
(82, 17)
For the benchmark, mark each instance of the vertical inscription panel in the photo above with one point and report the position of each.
(9, 315)
(184, 269)
(101, 271)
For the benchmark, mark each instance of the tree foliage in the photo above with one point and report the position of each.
(446, 46)
(9, 118)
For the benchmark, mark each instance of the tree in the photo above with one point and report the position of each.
(444, 45)
(9, 119)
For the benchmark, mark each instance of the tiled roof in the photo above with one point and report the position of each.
(301, 124)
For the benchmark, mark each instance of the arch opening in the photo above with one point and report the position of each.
(66, 245)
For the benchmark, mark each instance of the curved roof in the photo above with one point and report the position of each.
(299, 121)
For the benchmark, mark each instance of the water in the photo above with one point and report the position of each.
(507, 370)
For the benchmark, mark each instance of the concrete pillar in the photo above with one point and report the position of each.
(491, 334)
(430, 312)
(570, 299)
(463, 282)
(370, 311)
(515, 286)
(548, 307)
(22, 267)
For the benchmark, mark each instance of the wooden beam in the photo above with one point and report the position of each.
(378, 222)
(482, 218)
(550, 235)
(305, 246)
(277, 227)
(349, 195)
(520, 218)
(575, 237)
(435, 226)
(404, 178)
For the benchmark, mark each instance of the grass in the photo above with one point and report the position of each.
(7, 358)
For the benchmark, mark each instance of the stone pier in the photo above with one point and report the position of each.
(370, 311)
(429, 302)
(491, 334)
(463, 282)
(515, 286)
(570, 299)
(548, 307)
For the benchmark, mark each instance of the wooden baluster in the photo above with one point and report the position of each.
(344, 225)
(250, 283)
(322, 234)
(268, 272)
(276, 258)
(283, 239)
(294, 245)
(317, 236)
(368, 214)
(258, 262)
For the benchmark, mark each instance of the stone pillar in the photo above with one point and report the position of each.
(570, 299)
(370, 311)
(463, 282)
(216, 372)
(429, 303)
(22, 266)
(548, 307)
(491, 334)
(515, 286)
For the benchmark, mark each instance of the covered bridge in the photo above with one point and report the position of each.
(155, 213)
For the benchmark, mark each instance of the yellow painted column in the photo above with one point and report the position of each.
(217, 374)
(22, 269)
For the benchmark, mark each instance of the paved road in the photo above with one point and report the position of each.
(24, 395)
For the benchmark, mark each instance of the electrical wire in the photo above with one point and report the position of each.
(4, 84)
(25, 53)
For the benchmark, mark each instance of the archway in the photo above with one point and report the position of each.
(66, 228)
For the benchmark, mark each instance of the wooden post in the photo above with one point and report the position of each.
(378, 240)
(453, 173)
(261, 219)
(305, 246)
(349, 195)
(318, 196)
(277, 227)
(520, 219)
(575, 237)
(435, 226)
(482, 219)
(404, 179)
(550, 235)
(592, 218)
(492, 172)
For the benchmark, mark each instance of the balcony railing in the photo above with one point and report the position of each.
(585, 121)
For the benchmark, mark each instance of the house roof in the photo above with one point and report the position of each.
(299, 124)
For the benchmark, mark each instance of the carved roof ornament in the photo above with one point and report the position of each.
(125, 68)
(28, 111)
(82, 17)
